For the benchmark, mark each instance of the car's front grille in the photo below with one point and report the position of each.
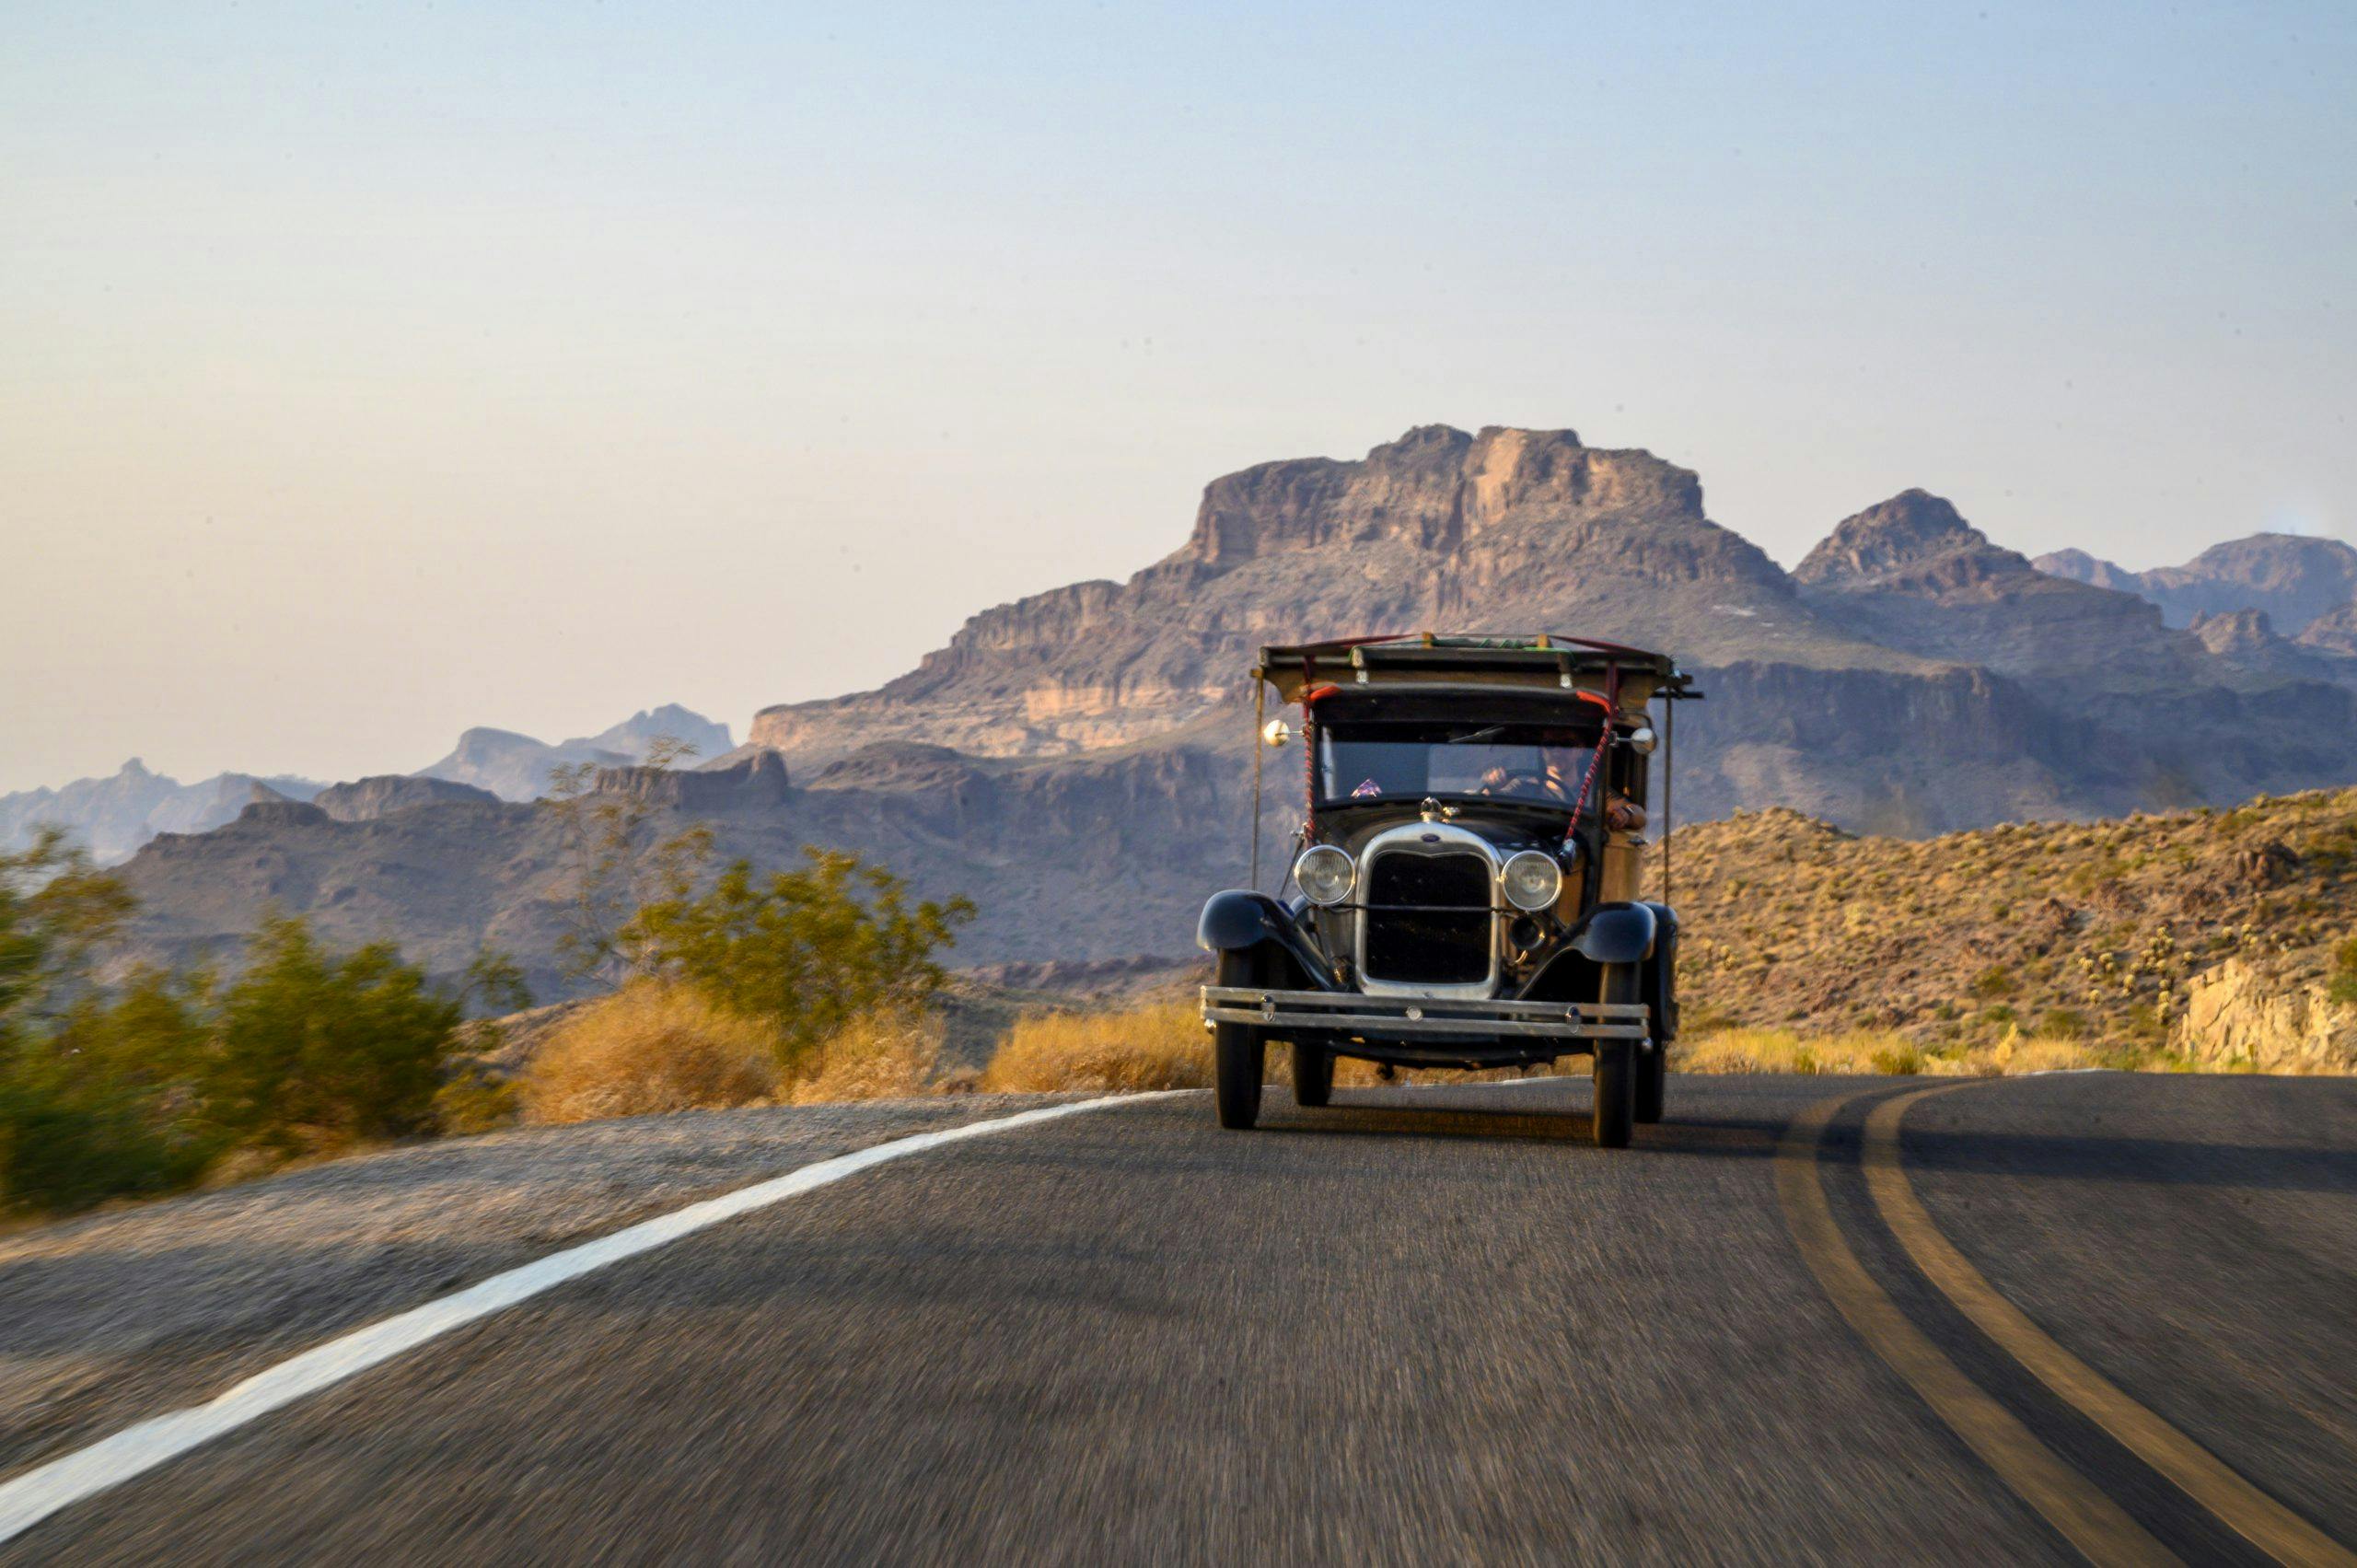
(1441, 937)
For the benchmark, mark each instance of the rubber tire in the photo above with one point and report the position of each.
(1653, 1083)
(1313, 1074)
(1616, 1066)
(1239, 1056)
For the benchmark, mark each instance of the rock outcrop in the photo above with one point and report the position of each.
(2237, 1017)
(750, 782)
(2245, 640)
(2334, 631)
(364, 800)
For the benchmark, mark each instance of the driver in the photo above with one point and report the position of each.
(1556, 777)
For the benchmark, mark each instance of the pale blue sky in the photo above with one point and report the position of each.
(372, 373)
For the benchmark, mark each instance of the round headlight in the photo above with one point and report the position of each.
(1532, 880)
(1325, 873)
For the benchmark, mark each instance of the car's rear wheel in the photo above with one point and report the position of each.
(1238, 1054)
(1313, 1074)
(1616, 1065)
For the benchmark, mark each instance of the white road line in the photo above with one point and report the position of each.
(61, 1482)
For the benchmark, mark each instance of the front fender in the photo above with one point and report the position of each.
(1616, 934)
(1239, 920)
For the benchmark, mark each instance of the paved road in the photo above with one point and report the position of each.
(1426, 1325)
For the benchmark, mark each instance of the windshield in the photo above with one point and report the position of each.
(1494, 763)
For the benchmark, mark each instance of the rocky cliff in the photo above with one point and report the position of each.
(1501, 531)
(1969, 684)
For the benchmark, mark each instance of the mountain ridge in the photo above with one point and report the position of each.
(1078, 760)
(2296, 578)
(114, 815)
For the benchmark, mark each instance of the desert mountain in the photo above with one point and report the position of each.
(1501, 531)
(113, 816)
(1078, 762)
(2294, 578)
(517, 767)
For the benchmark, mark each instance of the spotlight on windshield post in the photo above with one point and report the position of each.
(1639, 740)
(1276, 732)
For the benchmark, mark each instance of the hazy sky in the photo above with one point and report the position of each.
(367, 372)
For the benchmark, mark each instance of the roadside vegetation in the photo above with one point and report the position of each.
(2018, 949)
(818, 982)
(154, 1080)
(721, 988)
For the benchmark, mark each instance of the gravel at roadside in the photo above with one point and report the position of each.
(117, 1317)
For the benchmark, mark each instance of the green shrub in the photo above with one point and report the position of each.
(1899, 1062)
(67, 1146)
(316, 1051)
(472, 1100)
(138, 1088)
(2063, 1023)
(1994, 981)
(2343, 984)
(808, 951)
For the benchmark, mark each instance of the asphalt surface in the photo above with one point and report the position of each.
(1425, 1325)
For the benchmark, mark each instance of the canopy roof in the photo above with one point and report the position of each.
(1543, 659)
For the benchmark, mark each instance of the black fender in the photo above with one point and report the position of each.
(1240, 920)
(1661, 972)
(1616, 934)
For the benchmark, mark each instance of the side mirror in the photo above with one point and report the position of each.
(1639, 740)
(1276, 732)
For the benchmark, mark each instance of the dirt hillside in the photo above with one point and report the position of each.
(2221, 935)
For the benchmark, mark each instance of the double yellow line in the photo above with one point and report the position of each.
(2101, 1530)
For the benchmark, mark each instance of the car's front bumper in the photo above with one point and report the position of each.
(1353, 1015)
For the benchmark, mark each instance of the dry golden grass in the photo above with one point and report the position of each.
(1162, 1046)
(1158, 1047)
(887, 1056)
(1880, 1051)
(645, 1049)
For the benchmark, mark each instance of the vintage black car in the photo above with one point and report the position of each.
(1465, 882)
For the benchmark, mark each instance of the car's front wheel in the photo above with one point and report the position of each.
(1616, 1065)
(1238, 1054)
